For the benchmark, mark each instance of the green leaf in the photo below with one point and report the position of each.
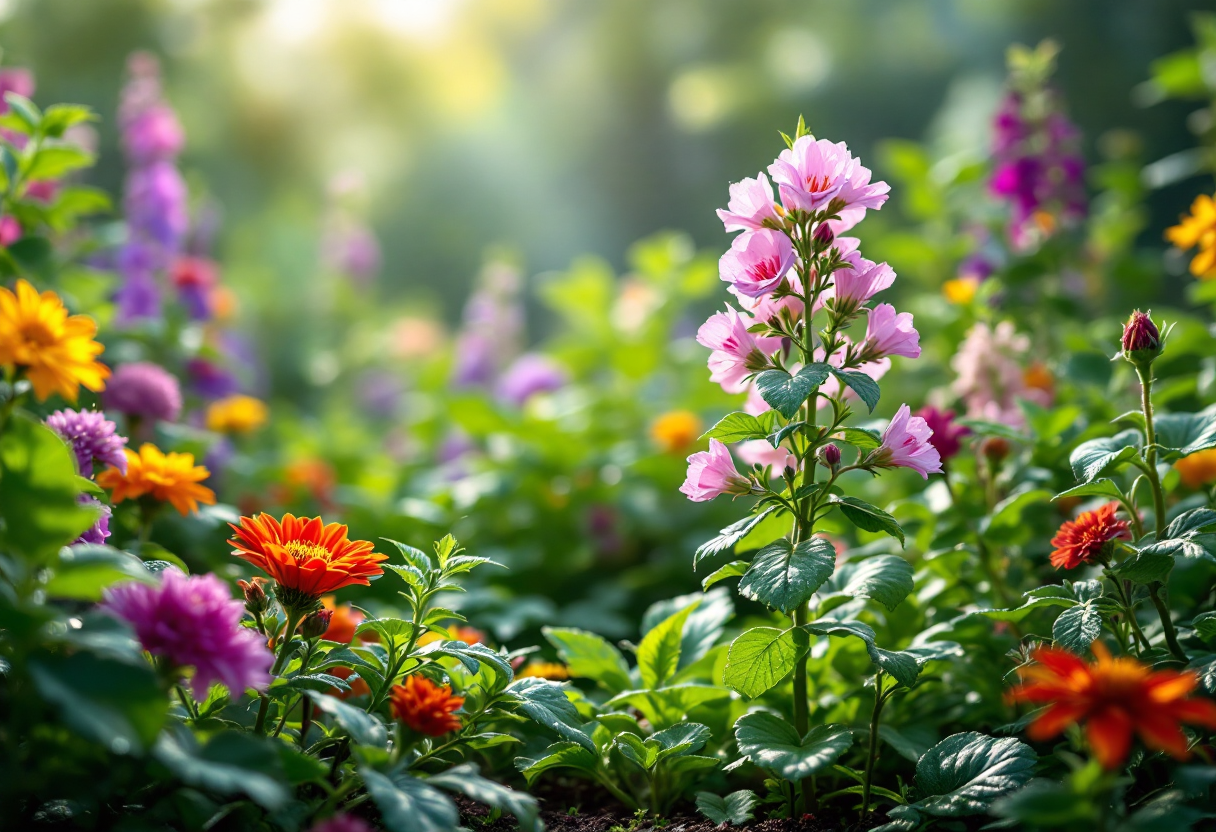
(678, 740)
(25, 110)
(763, 656)
(85, 571)
(1077, 627)
(735, 808)
(729, 536)
(704, 626)
(772, 744)
(865, 387)
(114, 703)
(1097, 488)
(363, 728)
(1183, 434)
(1093, 458)
(963, 774)
(38, 491)
(885, 578)
(230, 763)
(546, 703)
(1045, 596)
(785, 393)
(1006, 516)
(659, 652)
(784, 577)
(902, 667)
(643, 754)
(669, 705)
(467, 780)
(407, 804)
(1144, 567)
(59, 117)
(589, 656)
(734, 569)
(1205, 626)
(559, 755)
(866, 440)
(416, 558)
(1190, 523)
(56, 160)
(869, 518)
(737, 427)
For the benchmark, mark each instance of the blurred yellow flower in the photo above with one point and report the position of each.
(553, 671)
(960, 290)
(1198, 229)
(171, 478)
(1198, 469)
(56, 350)
(236, 414)
(675, 431)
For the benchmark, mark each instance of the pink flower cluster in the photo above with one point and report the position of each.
(991, 379)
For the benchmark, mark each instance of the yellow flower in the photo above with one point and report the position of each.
(674, 432)
(960, 290)
(1198, 469)
(552, 671)
(172, 478)
(236, 414)
(57, 350)
(1198, 229)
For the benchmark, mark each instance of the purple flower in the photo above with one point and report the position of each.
(342, 823)
(16, 79)
(92, 437)
(712, 473)
(100, 530)
(210, 380)
(756, 262)
(531, 374)
(145, 390)
(905, 444)
(947, 434)
(352, 249)
(155, 204)
(193, 621)
(476, 361)
(153, 135)
(138, 298)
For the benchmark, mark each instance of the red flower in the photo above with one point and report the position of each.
(1080, 541)
(1113, 697)
(425, 706)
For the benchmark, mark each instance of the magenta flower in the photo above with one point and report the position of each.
(153, 134)
(737, 353)
(890, 333)
(100, 530)
(342, 823)
(92, 438)
(145, 390)
(713, 472)
(906, 444)
(947, 434)
(757, 261)
(531, 374)
(751, 205)
(859, 281)
(193, 621)
(760, 452)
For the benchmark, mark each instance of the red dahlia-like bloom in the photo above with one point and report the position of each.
(305, 556)
(425, 706)
(1113, 697)
(1080, 541)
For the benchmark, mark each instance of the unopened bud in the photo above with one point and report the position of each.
(830, 455)
(824, 236)
(1141, 339)
(256, 600)
(994, 448)
(316, 624)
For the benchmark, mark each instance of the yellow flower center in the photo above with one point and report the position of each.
(38, 333)
(302, 551)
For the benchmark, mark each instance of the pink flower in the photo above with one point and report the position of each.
(736, 352)
(858, 194)
(193, 621)
(757, 261)
(760, 452)
(10, 230)
(890, 333)
(814, 174)
(751, 205)
(767, 308)
(755, 404)
(947, 434)
(991, 379)
(859, 281)
(711, 473)
(905, 444)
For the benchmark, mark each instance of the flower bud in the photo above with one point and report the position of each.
(824, 236)
(256, 600)
(1141, 339)
(316, 624)
(830, 454)
(994, 448)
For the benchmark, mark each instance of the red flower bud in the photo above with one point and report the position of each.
(1141, 338)
(824, 236)
(316, 624)
(830, 455)
(255, 595)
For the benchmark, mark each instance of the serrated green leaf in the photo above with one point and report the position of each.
(784, 577)
(785, 393)
(963, 774)
(866, 388)
(772, 744)
(737, 427)
(735, 808)
(734, 569)
(589, 656)
(659, 652)
(868, 517)
(763, 656)
(1093, 458)
(729, 536)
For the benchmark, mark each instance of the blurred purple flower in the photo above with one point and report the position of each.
(138, 298)
(476, 361)
(210, 380)
(531, 374)
(352, 249)
(379, 392)
(153, 135)
(947, 434)
(145, 390)
(92, 438)
(16, 79)
(155, 204)
(342, 823)
(193, 621)
(100, 530)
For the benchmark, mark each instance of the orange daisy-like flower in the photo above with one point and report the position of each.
(171, 478)
(1198, 230)
(1198, 469)
(56, 350)
(674, 432)
(1113, 697)
(1080, 541)
(306, 557)
(425, 706)
(345, 620)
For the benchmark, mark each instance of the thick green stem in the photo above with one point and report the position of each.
(293, 621)
(872, 751)
(1171, 637)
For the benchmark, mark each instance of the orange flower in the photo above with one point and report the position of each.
(57, 350)
(306, 557)
(1198, 469)
(1113, 696)
(1198, 230)
(1080, 541)
(554, 671)
(346, 619)
(469, 635)
(674, 432)
(236, 414)
(1038, 377)
(425, 706)
(358, 687)
(172, 478)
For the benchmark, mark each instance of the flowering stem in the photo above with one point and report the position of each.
(872, 751)
(293, 621)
